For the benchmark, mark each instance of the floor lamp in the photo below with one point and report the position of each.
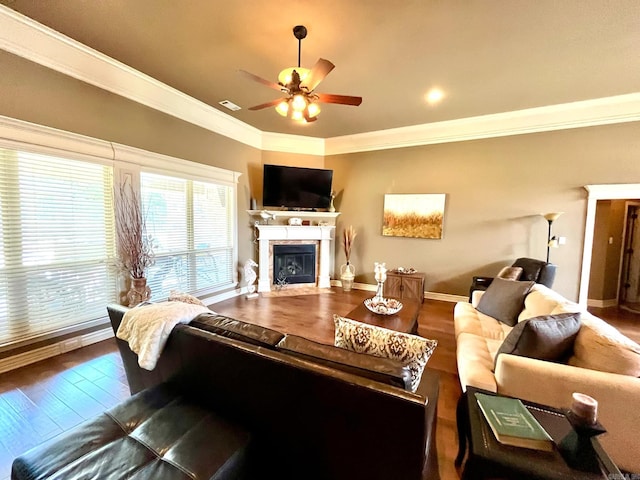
(551, 241)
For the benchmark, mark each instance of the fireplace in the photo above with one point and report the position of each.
(319, 238)
(294, 263)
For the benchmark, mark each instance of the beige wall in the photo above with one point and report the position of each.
(495, 188)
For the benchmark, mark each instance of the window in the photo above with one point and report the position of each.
(57, 241)
(58, 253)
(191, 225)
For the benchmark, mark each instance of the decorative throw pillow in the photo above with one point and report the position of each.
(412, 350)
(548, 337)
(510, 273)
(175, 296)
(504, 300)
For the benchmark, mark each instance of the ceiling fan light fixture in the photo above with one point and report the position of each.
(299, 103)
(286, 76)
(283, 107)
(297, 115)
(313, 110)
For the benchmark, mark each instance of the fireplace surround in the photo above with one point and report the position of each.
(320, 237)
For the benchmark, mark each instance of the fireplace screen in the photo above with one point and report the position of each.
(294, 263)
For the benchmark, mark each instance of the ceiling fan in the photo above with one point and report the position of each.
(299, 84)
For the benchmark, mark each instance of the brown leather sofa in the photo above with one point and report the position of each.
(233, 400)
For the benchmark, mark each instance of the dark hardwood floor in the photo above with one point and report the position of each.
(42, 400)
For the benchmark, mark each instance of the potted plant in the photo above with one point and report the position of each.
(348, 271)
(135, 246)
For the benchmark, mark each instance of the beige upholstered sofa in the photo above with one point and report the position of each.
(604, 364)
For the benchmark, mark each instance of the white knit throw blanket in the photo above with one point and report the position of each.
(146, 328)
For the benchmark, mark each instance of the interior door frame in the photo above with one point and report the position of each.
(622, 191)
(627, 204)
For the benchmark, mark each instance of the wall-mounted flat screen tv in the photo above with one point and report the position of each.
(296, 187)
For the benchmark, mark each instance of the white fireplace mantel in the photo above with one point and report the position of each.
(274, 233)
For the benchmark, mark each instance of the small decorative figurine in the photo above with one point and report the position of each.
(250, 277)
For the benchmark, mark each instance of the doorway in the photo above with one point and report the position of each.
(629, 292)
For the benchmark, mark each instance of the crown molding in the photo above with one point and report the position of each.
(22, 36)
(281, 142)
(587, 113)
(33, 41)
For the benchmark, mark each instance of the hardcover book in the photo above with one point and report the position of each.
(512, 424)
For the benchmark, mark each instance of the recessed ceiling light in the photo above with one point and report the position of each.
(434, 95)
(230, 105)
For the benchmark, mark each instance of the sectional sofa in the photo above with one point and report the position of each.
(600, 362)
(232, 400)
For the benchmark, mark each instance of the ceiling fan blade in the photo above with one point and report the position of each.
(261, 80)
(339, 99)
(272, 103)
(317, 73)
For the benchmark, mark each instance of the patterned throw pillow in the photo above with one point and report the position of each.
(176, 296)
(412, 350)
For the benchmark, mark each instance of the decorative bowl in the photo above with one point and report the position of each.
(384, 306)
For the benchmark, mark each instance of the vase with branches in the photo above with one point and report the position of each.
(135, 246)
(348, 271)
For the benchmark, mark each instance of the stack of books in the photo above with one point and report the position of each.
(512, 423)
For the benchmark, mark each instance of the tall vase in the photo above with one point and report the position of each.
(139, 291)
(347, 275)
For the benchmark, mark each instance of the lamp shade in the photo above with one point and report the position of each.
(551, 217)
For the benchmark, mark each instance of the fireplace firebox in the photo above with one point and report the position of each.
(294, 263)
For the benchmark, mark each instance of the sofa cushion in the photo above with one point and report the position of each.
(412, 350)
(237, 329)
(158, 433)
(542, 300)
(385, 370)
(548, 337)
(600, 346)
(470, 320)
(504, 300)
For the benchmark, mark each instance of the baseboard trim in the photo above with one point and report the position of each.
(602, 303)
(63, 346)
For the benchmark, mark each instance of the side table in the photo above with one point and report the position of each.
(489, 458)
(405, 286)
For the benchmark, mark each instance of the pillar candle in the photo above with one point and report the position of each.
(585, 408)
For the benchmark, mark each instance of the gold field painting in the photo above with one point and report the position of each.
(413, 215)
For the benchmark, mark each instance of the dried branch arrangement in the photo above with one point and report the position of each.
(347, 241)
(135, 246)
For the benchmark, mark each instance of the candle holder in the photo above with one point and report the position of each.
(380, 274)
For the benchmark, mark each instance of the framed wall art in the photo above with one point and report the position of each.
(419, 215)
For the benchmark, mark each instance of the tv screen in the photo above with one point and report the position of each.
(296, 187)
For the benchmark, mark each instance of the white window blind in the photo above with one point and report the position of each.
(191, 225)
(57, 228)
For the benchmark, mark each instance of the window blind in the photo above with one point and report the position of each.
(191, 227)
(57, 228)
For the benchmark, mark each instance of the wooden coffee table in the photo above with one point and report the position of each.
(406, 320)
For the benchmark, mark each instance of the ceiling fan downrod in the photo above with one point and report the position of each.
(300, 32)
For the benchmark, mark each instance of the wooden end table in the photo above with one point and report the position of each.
(488, 458)
(406, 320)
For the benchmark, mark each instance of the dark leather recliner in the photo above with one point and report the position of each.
(533, 269)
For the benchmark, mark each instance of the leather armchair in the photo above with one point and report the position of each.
(533, 269)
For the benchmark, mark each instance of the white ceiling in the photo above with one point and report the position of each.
(488, 56)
